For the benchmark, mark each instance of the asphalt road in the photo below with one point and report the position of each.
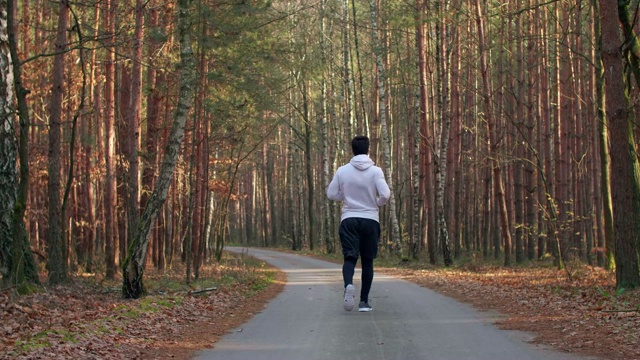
(307, 321)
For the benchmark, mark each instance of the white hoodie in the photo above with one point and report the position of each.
(360, 185)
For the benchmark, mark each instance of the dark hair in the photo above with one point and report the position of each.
(360, 145)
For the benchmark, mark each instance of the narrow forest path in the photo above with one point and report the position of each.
(306, 321)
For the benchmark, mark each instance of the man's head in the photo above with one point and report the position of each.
(360, 145)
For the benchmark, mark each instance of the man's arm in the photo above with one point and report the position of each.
(333, 191)
(384, 193)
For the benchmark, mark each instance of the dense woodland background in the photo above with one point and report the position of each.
(488, 118)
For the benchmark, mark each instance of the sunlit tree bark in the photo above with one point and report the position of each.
(603, 140)
(133, 268)
(111, 233)
(625, 175)
(386, 147)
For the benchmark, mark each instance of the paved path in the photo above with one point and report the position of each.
(307, 321)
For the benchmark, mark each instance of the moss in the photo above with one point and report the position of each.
(41, 339)
(26, 289)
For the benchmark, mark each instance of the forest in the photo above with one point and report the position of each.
(145, 133)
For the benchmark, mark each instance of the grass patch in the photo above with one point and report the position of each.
(154, 304)
(262, 281)
(43, 339)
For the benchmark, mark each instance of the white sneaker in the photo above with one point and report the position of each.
(349, 297)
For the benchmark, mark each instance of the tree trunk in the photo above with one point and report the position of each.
(111, 233)
(266, 214)
(563, 138)
(189, 240)
(518, 165)
(133, 268)
(132, 116)
(530, 123)
(363, 120)
(326, 177)
(426, 140)
(350, 106)
(203, 181)
(66, 229)
(150, 157)
(23, 267)
(417, 195)
(291, 194)
(603, 137)
(386, 146)
(441, 158)
(90, 150)
(309, 168)
(9, 246)
(625, 179)
(57, 248)
(454, 156)
(493, 142)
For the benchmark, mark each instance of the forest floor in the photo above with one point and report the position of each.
(88, 318)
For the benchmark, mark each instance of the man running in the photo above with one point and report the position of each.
(361, 187)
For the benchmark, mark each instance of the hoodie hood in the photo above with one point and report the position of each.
(361, 162)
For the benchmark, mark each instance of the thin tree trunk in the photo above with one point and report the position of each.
(111, 233)
(350, 107)
(426, 140)
(441, 158)
(203, 181)
(578, 162)
(454, 155)
(132, 117)
(295, 242)
(72, 155)
(188, 242)
(530, 123)
(494, 152)
(518, 165)
(418, 210)
(57, 249)
(603, 137)
(89, 203)
(266, 215)
(326, 205)
(150, 157)
(363, 124)
(562, 138)
(133, 268)
(386, 145)
(272, 195)
(308, 167)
